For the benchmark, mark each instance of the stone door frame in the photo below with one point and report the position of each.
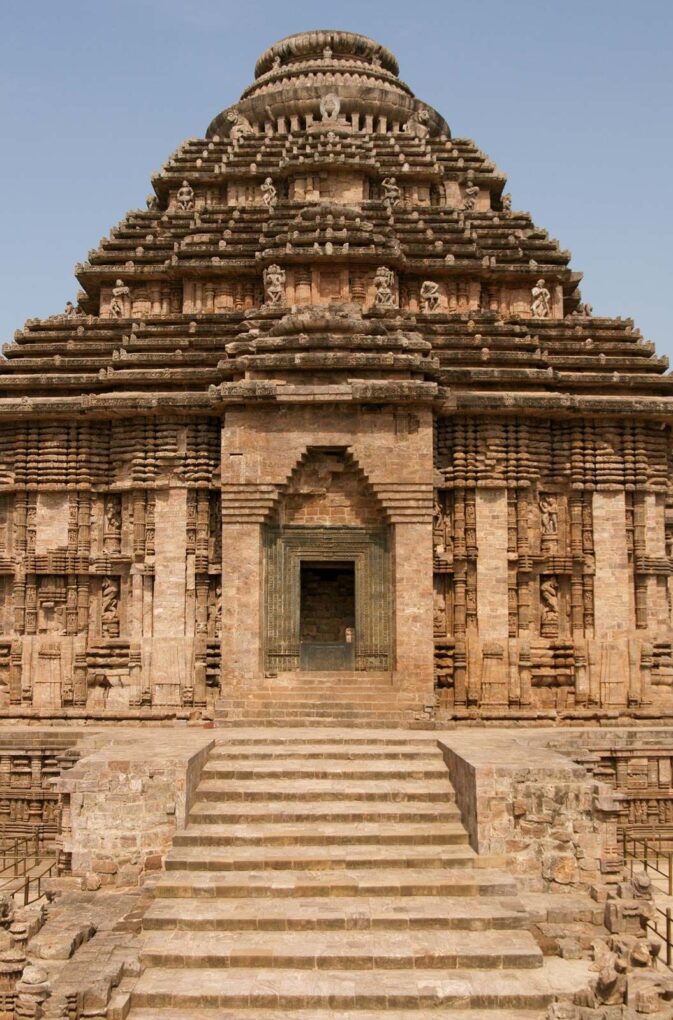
(285, 547)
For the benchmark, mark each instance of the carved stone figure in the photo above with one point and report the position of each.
(391, 192)
(384, 282)
(417, 125)
(439, 613)
(541, 301)
(506, 202)
(330, 106)
(549, 600)
(429, 296)
(240, 125)
(120, 296)
(274, 285)
(584, 310)
(185, 196)
(269, 194)
(609, 987)
(548, 515)
(471, 195)
(110, 606)
(70, 310)
(152, 202)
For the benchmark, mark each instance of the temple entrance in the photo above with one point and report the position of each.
(327, 615)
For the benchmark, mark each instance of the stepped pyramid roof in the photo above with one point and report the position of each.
(327, 170)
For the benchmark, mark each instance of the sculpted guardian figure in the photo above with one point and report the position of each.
(417, 125)
(541, 303)
(240, 125)
(330, 105)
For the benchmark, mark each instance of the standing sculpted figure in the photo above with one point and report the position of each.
(269, 194)
(391, 192)
(541, 303)
(549, 599)
(549, 514)
(70, 310)
(109, 606)
(471, 195)
(274, 285)
(429, 296)
(120, 295)
(384, 281)
(506, 202)
(185, 196)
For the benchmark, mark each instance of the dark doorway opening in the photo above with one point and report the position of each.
(327, 614)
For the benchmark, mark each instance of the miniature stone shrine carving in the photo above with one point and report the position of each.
(185, 196)
(391, 192)
(541, 301)
(269, 194)
(429, 296)
(384, 282)
(274, 285)
(121, 295)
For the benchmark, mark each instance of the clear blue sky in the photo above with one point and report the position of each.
(571, 98)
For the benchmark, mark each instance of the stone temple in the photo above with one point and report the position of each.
(336, 556)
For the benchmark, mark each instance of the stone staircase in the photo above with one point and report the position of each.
(323, 699)
(329, 875)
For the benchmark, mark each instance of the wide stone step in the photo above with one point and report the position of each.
(336, 914)
(329, 1014)
(326, 769)
(327, 834)
(204, 811)
(333, 751)
(241, 858)
(375, 989)
(431, 790)
(350, 950)
(470, 883)
(339, 736)
(273, 721)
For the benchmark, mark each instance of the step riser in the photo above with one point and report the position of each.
(422, 757)
(369, 773)
(334, 1001)
(387, 924)
(318, 839)
(447, 888)
(297, 796)
(206, 817)
(175, 863)
(336, 961)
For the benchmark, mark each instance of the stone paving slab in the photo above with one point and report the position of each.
(352, 950)
(470, 883)
(340, 913)
(250, 987)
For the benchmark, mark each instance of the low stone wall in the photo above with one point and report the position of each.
(123, 801)
(520, 798)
